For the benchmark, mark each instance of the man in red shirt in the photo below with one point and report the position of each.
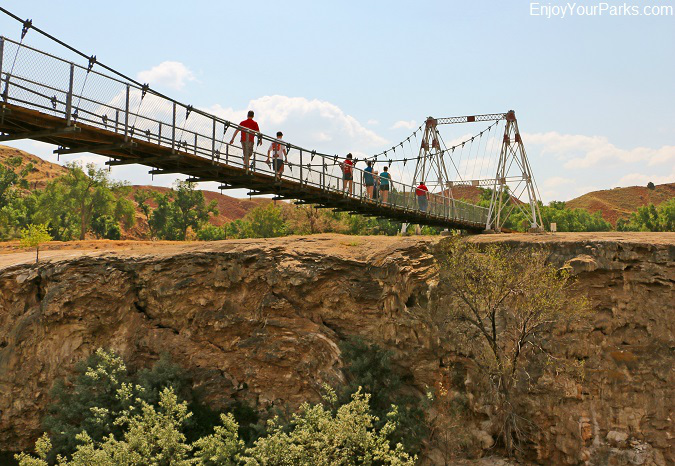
(422, 196)
(348, 173)
(247, 138)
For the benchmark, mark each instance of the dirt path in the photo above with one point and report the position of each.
(345, 245)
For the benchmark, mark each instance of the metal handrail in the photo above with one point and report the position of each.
(201, 135)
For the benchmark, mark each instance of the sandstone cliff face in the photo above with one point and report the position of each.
(260, 320)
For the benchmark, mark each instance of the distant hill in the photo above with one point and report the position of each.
(617, 203)
(612, 203)
(229, 208)
(43, 171)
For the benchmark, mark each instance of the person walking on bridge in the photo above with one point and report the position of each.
(385, 184)
(422, 193)
(368, 179)
(249, 129)
(348, 173)
(278, 151)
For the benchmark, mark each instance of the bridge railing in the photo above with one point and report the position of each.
(80, 94)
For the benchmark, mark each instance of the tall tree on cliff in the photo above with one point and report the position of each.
(498, 307)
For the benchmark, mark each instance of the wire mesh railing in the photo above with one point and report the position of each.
(79, 94)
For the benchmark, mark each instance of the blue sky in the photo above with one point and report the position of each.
(594, 95)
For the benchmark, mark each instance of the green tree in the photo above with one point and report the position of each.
(261, 222)
(498, 307)
(141, 197)
(650, 218)
(238, 228)
(72, 202)
(152, 435)
(12, 177)
(33, 236)
(16, 204)
(191, 210)
(177, 211)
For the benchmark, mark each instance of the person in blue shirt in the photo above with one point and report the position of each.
(385, 184)
(368, 179)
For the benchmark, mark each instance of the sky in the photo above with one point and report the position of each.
(593, 91)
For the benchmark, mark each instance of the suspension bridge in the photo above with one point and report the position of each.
(90, 107)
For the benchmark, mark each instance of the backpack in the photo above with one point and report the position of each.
(276, 149)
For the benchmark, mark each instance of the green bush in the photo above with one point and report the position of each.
(650, 218)
(152, 435)
(369, 367)
(211, 233)
(90, 401)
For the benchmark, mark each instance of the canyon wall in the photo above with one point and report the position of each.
(260, 320)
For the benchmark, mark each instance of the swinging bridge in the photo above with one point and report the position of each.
(90, 107)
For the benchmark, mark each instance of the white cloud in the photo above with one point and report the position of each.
(412, 124)
(372, 122)
(641, 179)
(580, 151)
(171, 74)
(557, 181)
(314, 124)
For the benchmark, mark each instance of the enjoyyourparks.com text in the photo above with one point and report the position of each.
(571, 9)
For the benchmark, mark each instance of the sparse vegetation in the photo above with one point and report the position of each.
(497, 307)
(33, 236)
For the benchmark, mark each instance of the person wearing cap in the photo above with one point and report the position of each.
(249, 129)
(422, 193)
(278, 151)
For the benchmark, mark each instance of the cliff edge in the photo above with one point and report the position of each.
(261, 320)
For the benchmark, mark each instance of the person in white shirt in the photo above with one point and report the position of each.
(278, 152)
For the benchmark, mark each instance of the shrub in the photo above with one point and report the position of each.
(369, 367)
(211, 233)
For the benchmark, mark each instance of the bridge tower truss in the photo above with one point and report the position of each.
(512, 181)
(430, 166)
(513, 186)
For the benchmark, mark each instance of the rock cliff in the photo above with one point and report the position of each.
(261, 320)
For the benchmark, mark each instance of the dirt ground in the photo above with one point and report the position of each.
(12, 254)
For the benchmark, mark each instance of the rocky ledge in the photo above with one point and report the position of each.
(261, 320)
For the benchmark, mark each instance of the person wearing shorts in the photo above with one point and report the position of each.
(249, 129)
(368, 179)
(385, 184)
(348, 173)
(278, 152)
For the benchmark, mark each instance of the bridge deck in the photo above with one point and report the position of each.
(33, 124)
